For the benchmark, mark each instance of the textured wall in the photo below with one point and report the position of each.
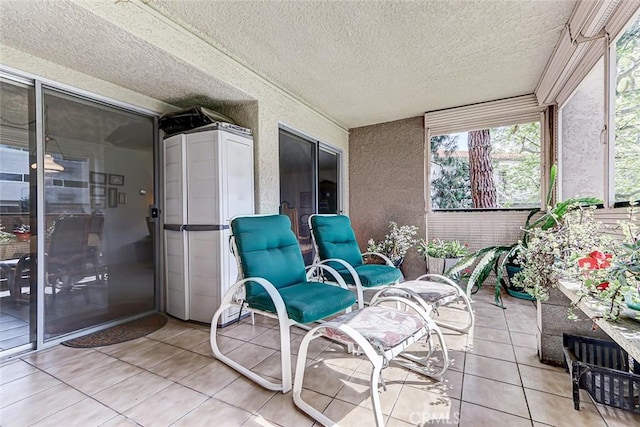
(582, 157)
(386, 168)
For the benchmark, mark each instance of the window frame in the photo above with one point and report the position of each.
(498, 113)
(610, 84)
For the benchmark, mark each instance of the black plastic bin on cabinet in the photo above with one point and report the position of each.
(602, 369)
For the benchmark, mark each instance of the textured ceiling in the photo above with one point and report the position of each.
(69, 35)
(358, 62)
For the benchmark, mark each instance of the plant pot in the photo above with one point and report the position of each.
(441, 265)
(633, 303)
(515, 291)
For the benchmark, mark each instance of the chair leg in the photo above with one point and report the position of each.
(375, 397)
(299, 380)
(471, 317)
(285, 344)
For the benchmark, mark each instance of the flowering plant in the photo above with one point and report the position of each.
(395, 244)
(551, 254)
(6, 237)
(437, 248)
(612, 277)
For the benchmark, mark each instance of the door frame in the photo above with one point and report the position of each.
(39, 83)
(319, 145)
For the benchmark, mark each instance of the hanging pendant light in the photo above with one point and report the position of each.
(50, 165)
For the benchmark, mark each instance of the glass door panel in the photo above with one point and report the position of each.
(98, 169)
(327, 182)
(17, 214)
(298, 187)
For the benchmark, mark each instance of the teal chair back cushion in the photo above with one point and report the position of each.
(268, 248)
(335, 239)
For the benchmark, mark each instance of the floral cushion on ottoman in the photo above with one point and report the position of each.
(383, 327)
(431, 292)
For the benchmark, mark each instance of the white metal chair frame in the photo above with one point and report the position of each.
(438, 278)
(234, 297)
(379, 358)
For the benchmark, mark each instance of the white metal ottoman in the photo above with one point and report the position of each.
(382, 333)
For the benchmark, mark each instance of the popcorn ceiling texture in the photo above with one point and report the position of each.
(366, 62)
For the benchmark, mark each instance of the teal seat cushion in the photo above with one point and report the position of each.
(373, 275)
(268, 248)
(306, 301)
(335, 239)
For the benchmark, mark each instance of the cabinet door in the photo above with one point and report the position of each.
(238, 175)
(176, 272)
(175, 203)
(203, 179)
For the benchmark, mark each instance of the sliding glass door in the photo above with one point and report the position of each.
(17, 214)
(309, 183)
(77, 246)
(98, 181)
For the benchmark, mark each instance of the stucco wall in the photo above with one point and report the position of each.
(386, 167)
(582, 152)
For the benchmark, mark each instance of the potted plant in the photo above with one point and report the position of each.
(396, 243)
(611, 274)
(495, 258)
(449, 251)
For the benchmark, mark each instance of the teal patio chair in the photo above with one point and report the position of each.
(336, 245)
(273, 281)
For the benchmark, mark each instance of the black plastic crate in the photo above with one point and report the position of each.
(602, 369)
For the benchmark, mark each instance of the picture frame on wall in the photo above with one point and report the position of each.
(113, 198)
(116, 179)
(97, 191)
(97, 178)
(122, 198)
(305, 199)
(97, 203)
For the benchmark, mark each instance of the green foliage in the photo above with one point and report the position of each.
(516, 165)
(552, 251)
(451, 188)
(494, 258)
(627, 115)
(395, 244)
(437, 248)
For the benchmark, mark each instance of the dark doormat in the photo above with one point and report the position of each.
(121, 333)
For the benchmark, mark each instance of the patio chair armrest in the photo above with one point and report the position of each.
(442, 279)
(331, 271)
(379, 255)
(278, 302)
(351, 270)
(345, 264)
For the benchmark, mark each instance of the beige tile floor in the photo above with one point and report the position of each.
(169, 378)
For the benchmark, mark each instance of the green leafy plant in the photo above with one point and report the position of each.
(6, 237)
(437, 248)
(495, 258)
(611, 274)
(396, 243)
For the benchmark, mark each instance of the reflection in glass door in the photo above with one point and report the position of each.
(98, 169)
(327, 182)
(298, 187)
(309, 184)
(17, 214)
